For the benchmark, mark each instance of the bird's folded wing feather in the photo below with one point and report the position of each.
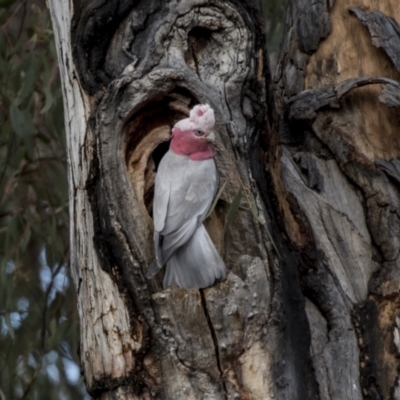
(184, 191)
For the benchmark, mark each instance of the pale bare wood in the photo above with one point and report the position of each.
(106, 343)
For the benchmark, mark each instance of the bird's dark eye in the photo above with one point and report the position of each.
(198, 132)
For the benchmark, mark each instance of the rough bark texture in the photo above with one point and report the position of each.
(319, 320)
(339, 195)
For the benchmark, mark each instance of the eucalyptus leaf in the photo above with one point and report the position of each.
(254, 211)
(22, 124)
(29, 82)
(217, 197)
(49, 101)
(25, 239)
(53, 326)
(253, 208)
(233, 209)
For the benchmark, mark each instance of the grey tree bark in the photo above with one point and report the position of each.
(310, 307)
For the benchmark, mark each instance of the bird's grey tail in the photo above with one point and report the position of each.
(197, 264)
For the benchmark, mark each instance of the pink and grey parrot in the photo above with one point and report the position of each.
(185, 186)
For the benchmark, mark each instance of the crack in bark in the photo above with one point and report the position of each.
(196, 63)
(215, 340)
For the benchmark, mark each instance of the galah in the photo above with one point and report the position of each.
(185, 186)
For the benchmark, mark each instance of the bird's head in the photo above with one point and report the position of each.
(188, 134)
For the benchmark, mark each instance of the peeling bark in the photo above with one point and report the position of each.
(338, 153)
(384, 31)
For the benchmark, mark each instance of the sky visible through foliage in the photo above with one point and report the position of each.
(39, 336)
(38, 316)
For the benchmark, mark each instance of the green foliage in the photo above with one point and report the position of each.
(274, 12)
(233, 209)
(215, 201)
(38, 317)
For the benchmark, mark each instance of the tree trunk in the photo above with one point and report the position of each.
(310, 306)
(336, 171)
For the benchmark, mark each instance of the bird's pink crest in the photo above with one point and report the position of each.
(188, 134)
(202, 116)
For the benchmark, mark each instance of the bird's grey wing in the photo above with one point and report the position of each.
(190, 200)
(184, 191)
(162, 192)
(191, 194)
(183, 188)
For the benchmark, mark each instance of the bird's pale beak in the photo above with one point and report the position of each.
(211, 135)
